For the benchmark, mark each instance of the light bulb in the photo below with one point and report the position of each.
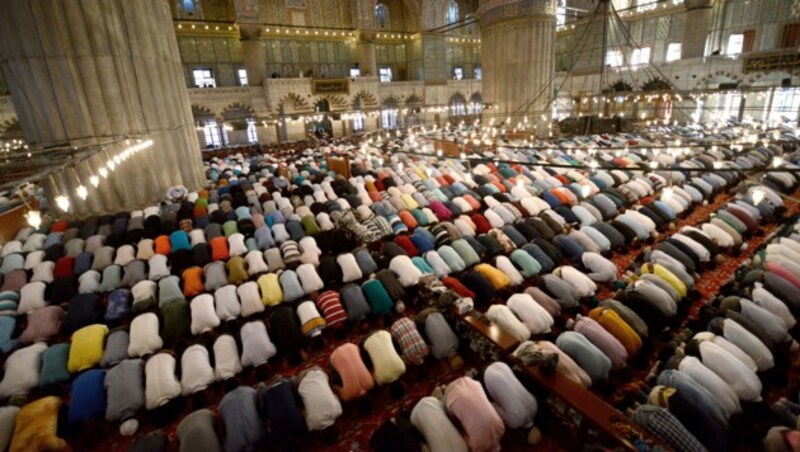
(62, 202)
(717, 165)
(777, 161)
(586, 191)
(103, 172)
(520, 183)
(593, 164)
(758, 196)
(111, 165)
(34, 218)
(95, 181)
(82, 192)
(667, 194)
(654, 164)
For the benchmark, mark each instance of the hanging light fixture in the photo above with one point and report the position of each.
(62, 202)
(82, 192)
(34, 218)
(758, 195)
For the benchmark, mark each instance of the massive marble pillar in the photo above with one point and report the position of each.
(255, 55)
(366, 56)
(518, 59)
(90, 73)
(696, 28)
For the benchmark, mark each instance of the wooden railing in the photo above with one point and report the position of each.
(595, 412)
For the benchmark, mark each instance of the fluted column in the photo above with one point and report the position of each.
(366, 55)
(84, 73)
(518, 59)
(696, 28)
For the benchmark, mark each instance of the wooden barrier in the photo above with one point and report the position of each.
(11, 221)
(594, 411)
(339, 165)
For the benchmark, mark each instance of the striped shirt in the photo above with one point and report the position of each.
(331, 306)
(414, 348)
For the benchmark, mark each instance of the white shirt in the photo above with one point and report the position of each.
(22, 370)
(718, 235)
(250, 298)
(748, 343)
(227, 303)
(705, 377)
(508, 322)
(772, 325)
(602, 269)
(255, 263)
(504, 265)
(743, 381)
(204, 316)
(226, 358)
(584, 285)
(321, 405)
(196, 371)
(161, 385)
(515, 405)
(773, 304)
(697, 248)
(144, 338)
(257, 348)
(429, 417)
(236, 246)
(532, 314)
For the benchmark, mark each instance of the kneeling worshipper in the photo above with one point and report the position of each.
(430, 419)
(322, 408)
(387, 365)
(515, 405)
(351, 378)
(244, 429)
(692, 415)
(465, 400)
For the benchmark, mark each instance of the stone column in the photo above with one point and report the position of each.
(365, 56)
(254, 54)
(86, 73)
(518, 59)
(696, 28)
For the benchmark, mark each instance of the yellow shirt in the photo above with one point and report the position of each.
(498, 279)
(614, 324)
(662, 272)
(271, 292)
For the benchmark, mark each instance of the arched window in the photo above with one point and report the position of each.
(381, 15)
(389, 114)
(475, 106)
(458, 105)
(358, 116)
(252, 135)
(452, 12)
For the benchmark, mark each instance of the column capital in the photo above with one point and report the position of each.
(493, 11)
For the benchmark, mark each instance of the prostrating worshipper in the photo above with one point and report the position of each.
(465, 400)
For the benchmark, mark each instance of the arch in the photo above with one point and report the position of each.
(335, 102)
(365, 99)
(475, 105)
(237, 110)
(390, 102)
(202, 114)
(457, 104)
(293, 103)
(414, 101)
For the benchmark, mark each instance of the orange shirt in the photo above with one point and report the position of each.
(219, 249)
(162, 245)
(356, 378)
(193, 282)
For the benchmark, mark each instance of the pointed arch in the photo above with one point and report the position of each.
(293, 103)
(366, 99)
(238, 110)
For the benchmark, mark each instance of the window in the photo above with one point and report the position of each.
(727, 107)
(475, 105)
(561, 14)
(252, 135)
(674, 51)
(211, 133)
(791, 35)
(242, 73)
(640, 57)
(614, 58)
(381, 15)
(204, 77)
(458, 107)
(358, 122)
(785, 105)
(735, 44)
(477, 73)
(452, 12)
(355, 72)
(458, 73)
(645, 5)
(385, 74)
(389, 117)
(189, 9)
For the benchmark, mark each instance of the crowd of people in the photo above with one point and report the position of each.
(277, 257)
